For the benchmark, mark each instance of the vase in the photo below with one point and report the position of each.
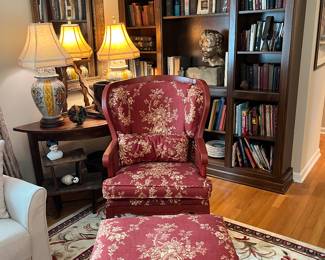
(49, 96)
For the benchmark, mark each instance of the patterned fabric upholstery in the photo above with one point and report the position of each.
(157, 151)
(134, 148)
(164, 237)
(157, 180)
(156, 107)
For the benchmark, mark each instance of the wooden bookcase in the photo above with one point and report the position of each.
(92, 25)
(153, 31)
(179, 36)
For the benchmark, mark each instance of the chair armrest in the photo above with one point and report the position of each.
(111, 159)
(200, 156)
(26, 204)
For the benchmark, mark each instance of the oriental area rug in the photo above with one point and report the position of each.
(73, 238)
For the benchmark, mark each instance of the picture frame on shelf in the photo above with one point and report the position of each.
(203, 6)
(320, 42)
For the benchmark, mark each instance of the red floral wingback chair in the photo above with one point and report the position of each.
(157, 159)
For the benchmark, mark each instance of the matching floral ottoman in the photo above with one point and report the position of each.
(169, 237)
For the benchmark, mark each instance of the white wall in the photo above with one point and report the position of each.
(15, 98)
(310, 101)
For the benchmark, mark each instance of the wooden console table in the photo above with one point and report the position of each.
(91, 128)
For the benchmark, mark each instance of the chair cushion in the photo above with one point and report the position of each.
(15, 241)
(135, 148)
(164, 237)
(157, 180)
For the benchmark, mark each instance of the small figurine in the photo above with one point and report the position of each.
(77, 114)
(54, 153)
(211, 43)
(69, 179)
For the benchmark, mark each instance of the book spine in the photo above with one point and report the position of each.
(182, 7)
(177, 7)
(187, 7)
(252, 37)
(242, 150)
(169, 8)
(193, 6)
(213, 114)
(233, 156)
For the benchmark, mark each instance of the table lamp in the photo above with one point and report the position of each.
(75, 44)
(42, 52)
(116, 48)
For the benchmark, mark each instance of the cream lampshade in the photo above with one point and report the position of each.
(42, 52)
(73, 41)
(116, 48)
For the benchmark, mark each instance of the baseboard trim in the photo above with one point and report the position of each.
(322, 130)
(301, 176)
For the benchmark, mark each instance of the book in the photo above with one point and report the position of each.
(137, 10)
(151, 13)
(213, 114)
(169, 8)
(193, 6)
(234, 154)
(145, 15)
(186, 7)
(177, 7)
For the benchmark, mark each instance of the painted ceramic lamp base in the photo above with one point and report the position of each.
(49, 96)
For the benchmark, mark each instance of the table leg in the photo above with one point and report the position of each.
(58, 205)
(36, 158)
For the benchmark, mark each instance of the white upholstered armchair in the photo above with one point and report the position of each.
(24, 235)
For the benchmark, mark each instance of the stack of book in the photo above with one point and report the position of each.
(141, 15)
(190, 7)
(144, 43)
(217, 119)
(247, 154)
(59, 9)
(261, 77)
(261, 4)
(259, 120)
(252, 39)
(140, 68)
(176, 65)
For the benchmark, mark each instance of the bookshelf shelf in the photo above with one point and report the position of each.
(185, 33)
(261, 11)
(258, 138)
(215, 131)
(216, 162)
(218, 91)
(259, 52)
(252, 95)
(141, 27)
(194, 16)
(148, 52)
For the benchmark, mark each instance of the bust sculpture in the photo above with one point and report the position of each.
(211, 43)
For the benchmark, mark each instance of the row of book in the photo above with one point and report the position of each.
(262, 36)
(141, 15)
(261, 4)
(60, 9)
(256, 120)
(262, 77)
(248, 154)
(140, 68)
(217, 119)
(144, 43)
(192, 7)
